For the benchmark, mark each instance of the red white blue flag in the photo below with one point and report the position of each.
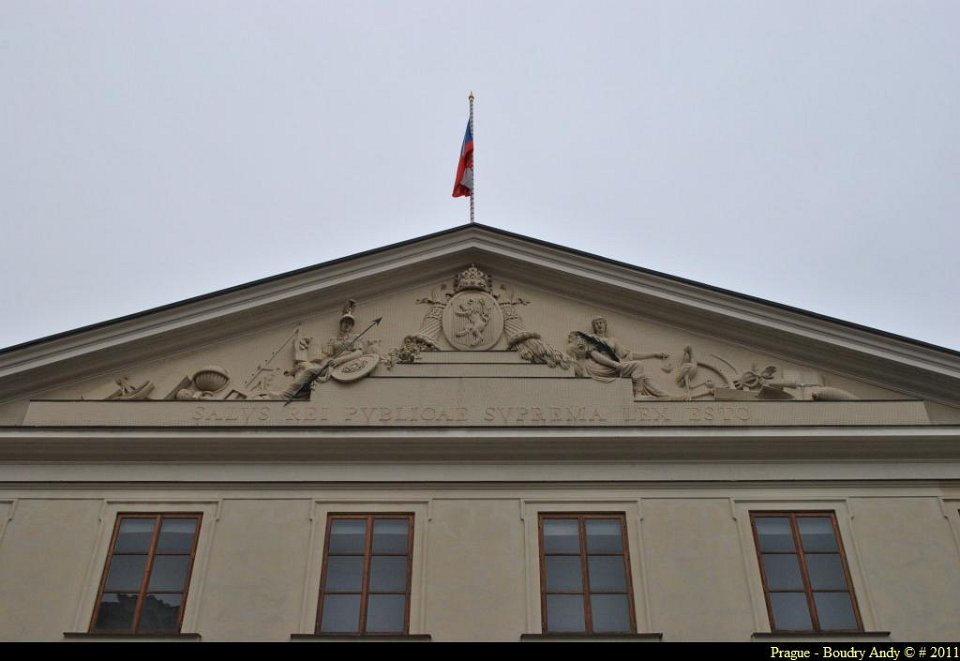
(463, 186)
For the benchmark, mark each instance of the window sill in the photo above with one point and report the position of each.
(361, 638)
(591, 637)
(825, 636)
(130, 637)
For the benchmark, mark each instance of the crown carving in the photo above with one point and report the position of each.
(472, 278)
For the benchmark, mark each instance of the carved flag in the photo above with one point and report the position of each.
(463, 186)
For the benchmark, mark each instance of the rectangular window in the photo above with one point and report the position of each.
(585, 574)
(144, 584)
(806, 581)
(365, 581)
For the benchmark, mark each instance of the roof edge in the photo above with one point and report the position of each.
(497, 231)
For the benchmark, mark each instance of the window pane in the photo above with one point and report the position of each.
(348, 536)
(388, 573)
(126, 573)
(169, 572)
(774, 534)
(611, 612)
(604, 536)
(116, 612)
(385, 612)
(607, 573)
(344, 574)
(835, 611)
(341, 613)
(826, 572)
(563, 573)
(561, 536)
(161, 612)
(782, 572)
(176, 536)
(565, 613)
(390, 535)
(135, 536)
(816, 533)
(790, 611)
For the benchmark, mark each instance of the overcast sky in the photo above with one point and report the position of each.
(804, 152)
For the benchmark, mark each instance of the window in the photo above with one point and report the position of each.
(144, 584)
(585, 574)
(806, 582)
(365, 581)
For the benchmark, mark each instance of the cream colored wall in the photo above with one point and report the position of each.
(694, 560)
(475, 576)
(255, 577)
(909, 547)
(45, 554)
(475, 572)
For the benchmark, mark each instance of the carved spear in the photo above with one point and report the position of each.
(306, 384)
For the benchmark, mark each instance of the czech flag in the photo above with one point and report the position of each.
(463, 186)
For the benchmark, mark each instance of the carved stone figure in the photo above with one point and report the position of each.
(691, 368)
(339, 358)
(601, 357)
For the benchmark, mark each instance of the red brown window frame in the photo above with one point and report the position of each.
(808, 590)
(158, 518)
(581, 518)
(365, 585)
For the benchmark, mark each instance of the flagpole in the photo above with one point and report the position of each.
(473, 189)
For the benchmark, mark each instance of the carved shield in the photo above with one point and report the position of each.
(356, 368)
(472, 321)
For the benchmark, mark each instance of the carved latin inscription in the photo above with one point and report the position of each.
(506, 416)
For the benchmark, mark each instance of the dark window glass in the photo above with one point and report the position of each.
(585, 574)
(365, 583)
(144, 584)
(806, 581)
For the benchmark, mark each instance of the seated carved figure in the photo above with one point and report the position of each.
(310, 366)
(601, 357)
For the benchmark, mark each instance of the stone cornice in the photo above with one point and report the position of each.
(269, 445)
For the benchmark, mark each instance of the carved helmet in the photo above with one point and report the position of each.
(347, 312)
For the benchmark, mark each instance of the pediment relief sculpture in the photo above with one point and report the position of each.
(475, 316)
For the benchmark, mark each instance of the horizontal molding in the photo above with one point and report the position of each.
(270, 445)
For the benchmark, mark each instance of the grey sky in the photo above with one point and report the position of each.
(805, 152)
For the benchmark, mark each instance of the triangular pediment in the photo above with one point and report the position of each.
(479, 328)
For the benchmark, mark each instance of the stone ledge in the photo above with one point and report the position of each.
(360, 638)
(104, 637)
(591, 637)
(822, 636)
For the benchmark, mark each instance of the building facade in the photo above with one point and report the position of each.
(478, 436)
